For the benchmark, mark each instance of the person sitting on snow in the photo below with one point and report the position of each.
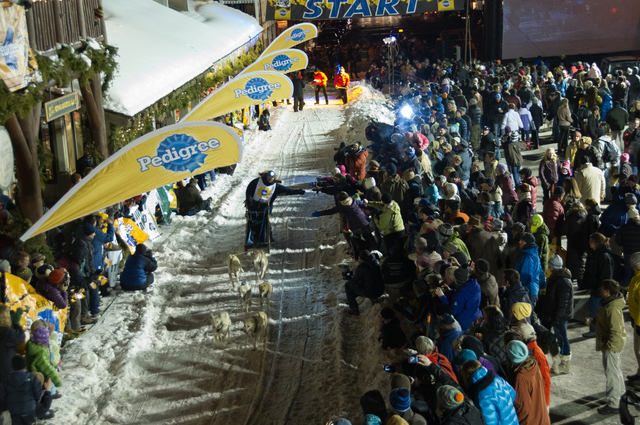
(138, 270)
(190, 201)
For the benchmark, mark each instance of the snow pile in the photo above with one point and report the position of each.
(365, 104)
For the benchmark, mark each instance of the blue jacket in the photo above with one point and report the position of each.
(445, 343)
(20, 392)
(515, 294)
(466, 304)
(529, 267)
(137, 267)
(614, 216)
(495, 397)
(99, 240)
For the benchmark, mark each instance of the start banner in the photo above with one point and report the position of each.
(158, 158)
(347, 9)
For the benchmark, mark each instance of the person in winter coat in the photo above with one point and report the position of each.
(426, 347)
(529, 267)
(39, 356)
(526, 176)
(298, 87)
(564, 125)
(492, 394)
(515, 292)
(82, 254)
(366, 281)
(512, 120)
(454, 409)
(341, 83)
(465, 302)
(558, 308)
(495, 112)
(503, 179)
(590, 181)
(428, 378)
(599, 267)
(537, 114)
(540, 232)
(610, 339)
(262, 191)
(628, 238)
(388, 220)
(190, 201)
(100, 239)
(475, 113)
(391, 334)
(356, 218)
(356, 162)
(467, 160)
(548, 172)
(24, 396)
(523, 211)
(593, 216)
(400, 402)
(11, 336)
(395, 185)
(574, 228)
(410, 162)
(320, 81)
(527, 382)
(483, 246)
(527, 123)
(512, 148)
(617, 214)
(634, 311)
(492, 328)
(138, 270)
(263, 121)
(54, 288)
(617, 118)
(553, 213)
(448, 334)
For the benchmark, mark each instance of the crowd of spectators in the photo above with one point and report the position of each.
(481, 266)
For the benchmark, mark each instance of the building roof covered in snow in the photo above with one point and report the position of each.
(160, 49)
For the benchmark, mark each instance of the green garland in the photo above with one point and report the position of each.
(180, 100)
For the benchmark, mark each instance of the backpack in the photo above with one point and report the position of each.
(611, 152)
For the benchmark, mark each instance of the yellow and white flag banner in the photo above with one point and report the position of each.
(287, 60)
(244, 90)
(158, 158)
(291, 37)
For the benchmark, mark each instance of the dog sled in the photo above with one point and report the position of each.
(258, 231)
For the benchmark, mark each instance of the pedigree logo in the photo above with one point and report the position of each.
(281, 63)
(257, 89)
(179, 153)
(297, 34)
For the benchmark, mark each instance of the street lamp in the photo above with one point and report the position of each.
(391, 45)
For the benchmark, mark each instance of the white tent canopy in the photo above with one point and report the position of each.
(159, 49)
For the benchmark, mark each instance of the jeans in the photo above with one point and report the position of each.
(94, 300)
(525, 135)
(497, 131)
(594, 305)
(614, 381)
(535, 141)
(560, 331)
(515, 174)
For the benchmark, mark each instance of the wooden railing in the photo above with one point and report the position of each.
(64, 22)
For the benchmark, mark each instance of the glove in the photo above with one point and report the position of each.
(16, 316)
(315, 214)
(299, 192)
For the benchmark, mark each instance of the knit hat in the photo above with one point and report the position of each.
(434, 257)
(88, 229)
(557, 263)
(630, 198)
(521, 310)
(635, 260)
(529, 240)
(536, 222)
(462, 275)
(373, 165)
(400, 381)
(387, 313)
(502, 168)
(507, 130)
(517, 351)
(410, 151)
(395, 419)
(566, 167)
(462, 257)
(371, 420)
(56, 276)
(392, 169)
(482, 266)
(4, 266)
(341, 421)
(387, 199)
(464, 356)
(527, 332)
(408, 175)
(400, 400)
(445, 229)
(451, 248)
(43, 271)
(18, 362)
(447, 319)
(633, 213)
(449, 397)
(41, 336)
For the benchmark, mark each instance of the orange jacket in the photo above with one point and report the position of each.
(319, 78)
(356, 164)
(341, 80)
(543, 364)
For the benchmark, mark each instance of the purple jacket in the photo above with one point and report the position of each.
(51, 293)
(355, 216)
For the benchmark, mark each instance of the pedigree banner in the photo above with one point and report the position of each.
(244, 90)
(20, 294)
(291, 36)
(18, 66)
(347, 9)
(158, 158)
(283, 61)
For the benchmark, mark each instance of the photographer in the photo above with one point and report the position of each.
(138, 270)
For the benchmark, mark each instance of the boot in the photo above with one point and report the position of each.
(565, 364)
(555, 365)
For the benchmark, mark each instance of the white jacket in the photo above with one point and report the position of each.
(512, 120)
(590, 181)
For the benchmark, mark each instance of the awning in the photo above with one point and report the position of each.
(160, 50)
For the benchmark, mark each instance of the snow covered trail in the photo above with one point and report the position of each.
(157, 360)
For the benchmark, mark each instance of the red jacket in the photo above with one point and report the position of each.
(319, 78)
(440, 360)
(341, 81)
(357, 164)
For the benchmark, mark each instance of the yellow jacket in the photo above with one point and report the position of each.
(634, 298)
